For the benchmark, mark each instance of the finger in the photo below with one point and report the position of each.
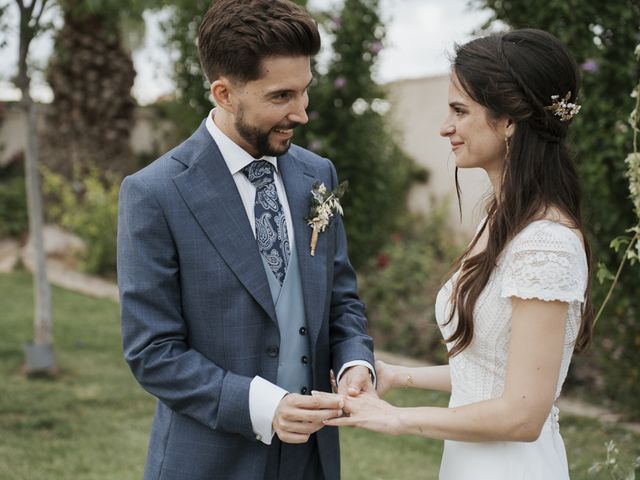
(320, 394)
(298, 428)
(288, 437)
(313, 416)
(318, 402)
(340, 422)
(353, 390)
(332, 380)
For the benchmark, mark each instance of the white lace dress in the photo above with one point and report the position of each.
(546, 261)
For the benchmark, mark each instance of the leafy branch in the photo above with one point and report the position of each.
(632, 252)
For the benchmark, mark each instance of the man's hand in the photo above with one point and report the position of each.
(298, 416)
(356, 380)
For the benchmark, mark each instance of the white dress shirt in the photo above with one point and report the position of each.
(264, 396)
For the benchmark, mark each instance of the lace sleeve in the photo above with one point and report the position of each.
(545, 261)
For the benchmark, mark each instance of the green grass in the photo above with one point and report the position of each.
(92, 421)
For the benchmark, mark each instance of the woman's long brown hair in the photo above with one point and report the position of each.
(513, 75)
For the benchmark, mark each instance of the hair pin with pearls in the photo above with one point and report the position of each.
(561, 107)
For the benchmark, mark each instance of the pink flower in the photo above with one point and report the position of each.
(375, 47)
(340, 83)
(315, 145)
(590, 66)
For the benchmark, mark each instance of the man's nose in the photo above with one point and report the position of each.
(299, 114)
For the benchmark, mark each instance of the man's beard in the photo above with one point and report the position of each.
(259, 139)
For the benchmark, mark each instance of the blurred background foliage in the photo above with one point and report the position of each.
(401, 259)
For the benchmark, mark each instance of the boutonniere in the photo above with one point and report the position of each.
(324, 205)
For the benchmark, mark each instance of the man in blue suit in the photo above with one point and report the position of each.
(227, 316)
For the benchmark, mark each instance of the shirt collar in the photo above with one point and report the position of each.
(234, 156)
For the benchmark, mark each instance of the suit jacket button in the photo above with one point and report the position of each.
(303, 330)
(272, 350)
(304, 359)
(304, 390)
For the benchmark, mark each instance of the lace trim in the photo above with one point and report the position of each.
(545, 275)
(546, 261)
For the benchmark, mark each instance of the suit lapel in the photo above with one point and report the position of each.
(313, 270)
(208, 189)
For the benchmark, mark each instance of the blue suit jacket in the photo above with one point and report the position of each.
(197, 315)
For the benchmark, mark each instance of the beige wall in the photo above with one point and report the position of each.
(418, 107)
(149, 135)
(12, 133)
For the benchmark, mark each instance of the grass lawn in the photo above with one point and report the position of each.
(92, 422)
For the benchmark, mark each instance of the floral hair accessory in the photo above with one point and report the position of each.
(324, 205)
(561, 107)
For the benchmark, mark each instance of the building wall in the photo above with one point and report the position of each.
(418, 108)
(149, 135)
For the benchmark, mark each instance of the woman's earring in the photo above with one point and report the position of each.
(506, 143)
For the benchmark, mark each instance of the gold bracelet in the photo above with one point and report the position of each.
(409, 381)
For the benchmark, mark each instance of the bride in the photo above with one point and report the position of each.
(518, 303)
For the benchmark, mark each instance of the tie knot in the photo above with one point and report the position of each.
(259, 172)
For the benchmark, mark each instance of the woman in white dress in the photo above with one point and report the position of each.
(518, 303)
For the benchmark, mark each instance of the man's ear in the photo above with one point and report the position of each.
(222, 94)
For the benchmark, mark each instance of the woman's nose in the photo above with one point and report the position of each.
(446, 129)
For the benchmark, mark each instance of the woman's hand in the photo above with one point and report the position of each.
(368, 411)
(386, 377)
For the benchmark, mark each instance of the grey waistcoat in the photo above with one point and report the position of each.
(294, 361)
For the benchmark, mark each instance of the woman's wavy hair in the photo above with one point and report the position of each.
(513, 75)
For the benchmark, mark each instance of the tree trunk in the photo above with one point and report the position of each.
(91, 117)
(40, 353)
(43, 321)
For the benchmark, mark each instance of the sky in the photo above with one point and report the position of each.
(420, 35)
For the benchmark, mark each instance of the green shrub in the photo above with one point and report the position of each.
(14, 216)
(87, 206)
(14, 220)
(400, 284)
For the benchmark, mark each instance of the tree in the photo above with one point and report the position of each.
(39, 353)
(347, 124)
(602, 36)
(346, 112)
(91, 74)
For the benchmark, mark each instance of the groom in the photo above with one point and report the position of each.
(227, 317)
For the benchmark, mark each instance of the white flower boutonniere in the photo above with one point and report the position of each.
(324, 205)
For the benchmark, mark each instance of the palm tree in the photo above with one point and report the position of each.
(91, 74)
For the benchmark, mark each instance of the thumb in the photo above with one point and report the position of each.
(353, 390)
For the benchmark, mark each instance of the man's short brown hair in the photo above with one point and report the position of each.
(236, 35)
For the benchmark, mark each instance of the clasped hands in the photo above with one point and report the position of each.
(299, 416)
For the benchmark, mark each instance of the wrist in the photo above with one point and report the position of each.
(403, 378)
(397, 421)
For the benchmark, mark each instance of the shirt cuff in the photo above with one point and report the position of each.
(353, 363)
(264, 398)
